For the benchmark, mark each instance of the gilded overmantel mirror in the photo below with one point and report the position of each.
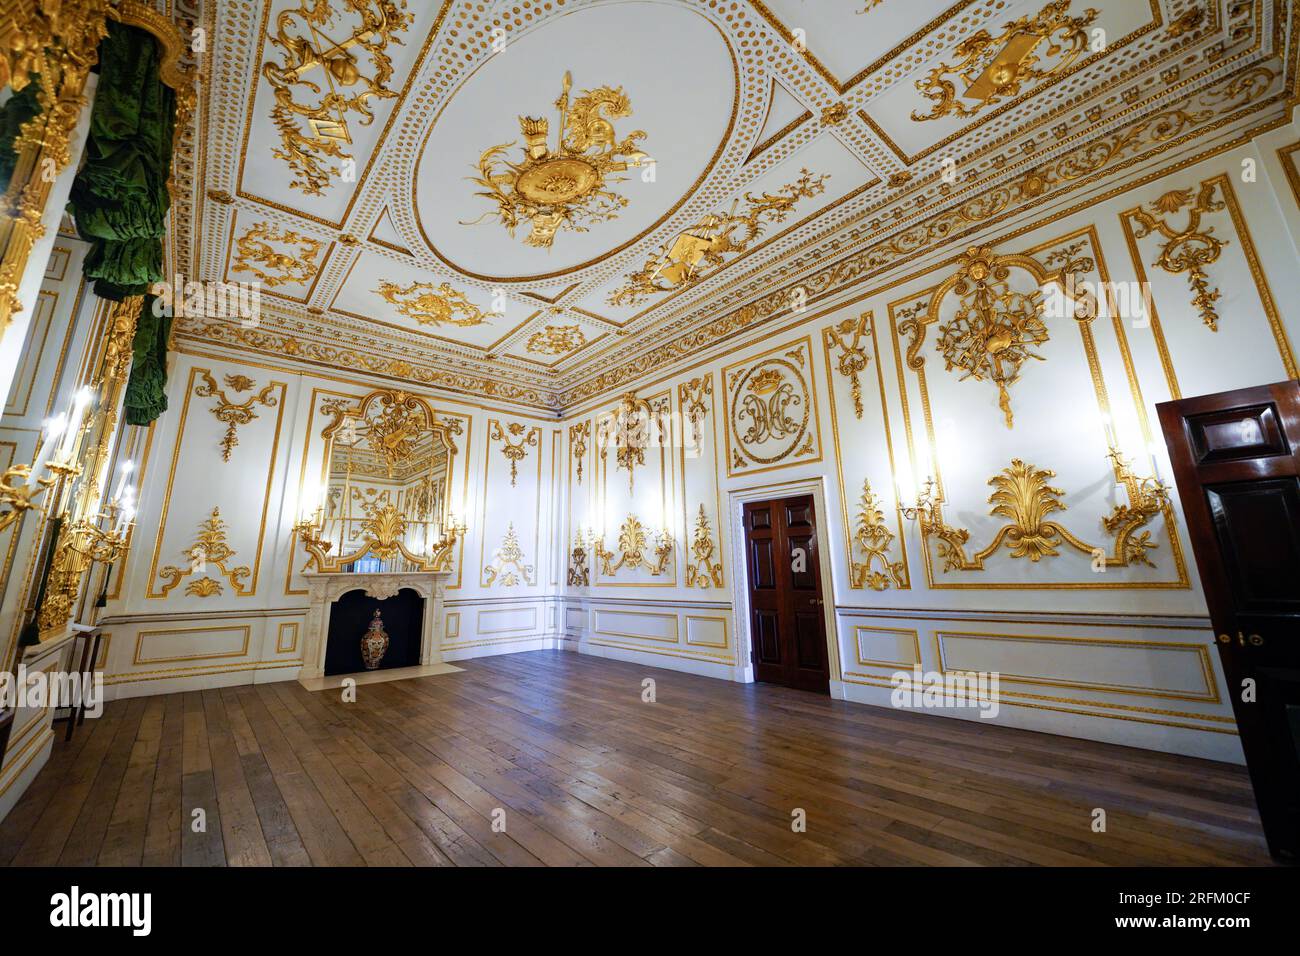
(383, 501)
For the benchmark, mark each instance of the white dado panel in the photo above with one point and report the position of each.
(191, 645)
(637, 625)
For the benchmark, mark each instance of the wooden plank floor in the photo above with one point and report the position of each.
(561, 748)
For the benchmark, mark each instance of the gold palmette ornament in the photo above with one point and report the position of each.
(374, 643)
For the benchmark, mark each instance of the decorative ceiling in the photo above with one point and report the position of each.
(538, 200)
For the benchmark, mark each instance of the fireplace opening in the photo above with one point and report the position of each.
(402, 617)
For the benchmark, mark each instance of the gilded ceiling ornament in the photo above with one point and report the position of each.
(835, 114)
(566, 188)
(579, 435)
(432, 304)
(694, 398)
(255, 254)
(515, 440)
(1187, 23)
(1023, 496)
(507, 568)
(702, 247)
(1189, 249)
(993, 68)
(995, 329)
(328, 75)
(231, 413)
(557, 340)
(850, 337)
(633, 544)
(701, 571)
(209, 547)
(874, 539)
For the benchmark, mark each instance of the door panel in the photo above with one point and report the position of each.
(787, 621)
(1238, 475)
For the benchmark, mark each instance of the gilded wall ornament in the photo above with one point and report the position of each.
(703, 247)
(564, 188)
(694, 399)
(701, 571)
(579, 571)
(255, 254)
(232, 413)
(995, 329)
(556, 340)
(994, 68)
(507, 568)
(209, 547)
(849, 337)
(633, 423)
(771, 414)
(633, 546)
(383, 527)
(1190, 249)
(874, 540)
(515, 440)
(431, 303)
(320, 82)
(579, 435)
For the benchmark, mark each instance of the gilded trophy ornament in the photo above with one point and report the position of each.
(994, 68)
(566, 187)
(1190, 249)
(703, 247)
(432, 303)
(849, 337)
(320, 83)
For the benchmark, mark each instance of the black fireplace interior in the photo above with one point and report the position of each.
(403, 615)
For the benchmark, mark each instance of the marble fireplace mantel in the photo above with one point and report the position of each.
(327, 587)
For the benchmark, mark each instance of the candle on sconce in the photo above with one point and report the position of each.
(124, 475)
(1155, 464)
(51, 429)
(1109, 426)
(80, 402)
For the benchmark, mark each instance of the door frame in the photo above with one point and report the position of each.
(737, 498)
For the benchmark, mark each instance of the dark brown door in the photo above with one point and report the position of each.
(1236, 459)
(786, 620)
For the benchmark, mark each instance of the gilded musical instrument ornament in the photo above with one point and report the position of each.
(1190, 249)
(993, 68)
(330, 79)
(566, 187)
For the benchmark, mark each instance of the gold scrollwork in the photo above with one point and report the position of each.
(233, 414)
(631, 430)
(566, 187)
(515, 440)
(874, 539)
(310, 132)
(701, 571)
(996, 67)
(556, 340)
(432, 304)
(579, 435)
(848, 336)
(258, 256)
(995, 328)
(694, 398)
(1191, 248)
(633, 543)
(579, 571)
(701, 248)
(507, 567)
(209, 546)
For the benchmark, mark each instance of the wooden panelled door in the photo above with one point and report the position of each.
(786, 620)
(1236, 459)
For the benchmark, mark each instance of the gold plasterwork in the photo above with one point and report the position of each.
(849, 337)
(209, 547)
(995, 329)
(556, 340)
(432, 303)
(634, 548)
(257, 255)
(993, 68)
(565, 187)
(320, 82)
(515, 440)
(233, 413)
(1190, 249)
(701, 570)
(579, 569)
(507, 567)
(700, 249)
(1023, 496)
(579, 435)
(632, 430)
(694, 399)
(874, 539)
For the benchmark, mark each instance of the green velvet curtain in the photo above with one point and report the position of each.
(17, 110)
(119, 200)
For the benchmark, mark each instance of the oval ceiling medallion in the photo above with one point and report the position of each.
(574, 141)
